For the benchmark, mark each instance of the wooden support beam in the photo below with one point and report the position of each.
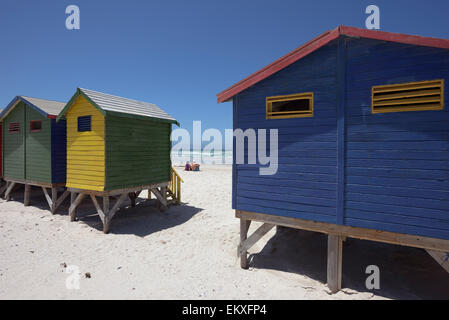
(256, 236)
(2, 189)
(244, 227)
(106, 220)
(441, 257)
(47, 197)
(350, 232)
(11, 185)
(75, 203)
(132, 197)
(109, 214)
(117, 205)
(61, 199)
(334, 262)
(97, 206)
(26, 196)
(162, 199)
(72, 201)
(54, 198)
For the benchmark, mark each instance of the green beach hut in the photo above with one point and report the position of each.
(34, 147)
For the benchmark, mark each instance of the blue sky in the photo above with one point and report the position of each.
(177, 54)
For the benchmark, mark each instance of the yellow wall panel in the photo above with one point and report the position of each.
(85, 150)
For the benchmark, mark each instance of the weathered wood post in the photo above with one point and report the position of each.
(54, 198)
(26, 200)
(72, 209)
(334, 262)
(107, 218)
(244, 227)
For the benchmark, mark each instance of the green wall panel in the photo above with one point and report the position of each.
(27, 156)
(38, 148)
(137, 152)
(13, 144)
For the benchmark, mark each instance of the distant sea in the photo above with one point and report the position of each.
(215, 157)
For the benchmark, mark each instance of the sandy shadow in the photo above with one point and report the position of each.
(405, 273)
(142, 220)
(37, 197)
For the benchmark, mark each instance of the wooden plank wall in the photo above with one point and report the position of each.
(137, 152)
(13, 144)
(85, 150)
(305, 184)
(37, 148)
(397, 171)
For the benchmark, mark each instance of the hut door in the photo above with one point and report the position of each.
(14, 143)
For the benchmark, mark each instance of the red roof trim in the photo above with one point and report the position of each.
(51, 116)
(321, 41)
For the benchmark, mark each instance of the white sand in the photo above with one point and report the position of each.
(189, 252)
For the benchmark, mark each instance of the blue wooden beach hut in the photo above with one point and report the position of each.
(363, 141)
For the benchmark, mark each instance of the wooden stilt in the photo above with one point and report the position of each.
(72, 201)
(54, 198)
(256, 236)
(244, 227)
(149, 194)
(334, 262)
(11, 185)
(61, 199)
(74, 204)
(107, 219)
(26, 197)
(132, 198)
(161, 196)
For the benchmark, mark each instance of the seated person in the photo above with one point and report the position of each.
(195, 167)
(188, 167)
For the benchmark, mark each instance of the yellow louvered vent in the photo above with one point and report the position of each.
(412, 96)
(298, 105)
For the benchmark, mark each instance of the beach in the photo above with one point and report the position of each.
(190, 252)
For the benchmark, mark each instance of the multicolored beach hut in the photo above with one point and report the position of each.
(34, 147)
(363, 142)
(115, 147)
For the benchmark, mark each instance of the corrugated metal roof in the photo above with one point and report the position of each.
(50, 107)
(112, 103)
